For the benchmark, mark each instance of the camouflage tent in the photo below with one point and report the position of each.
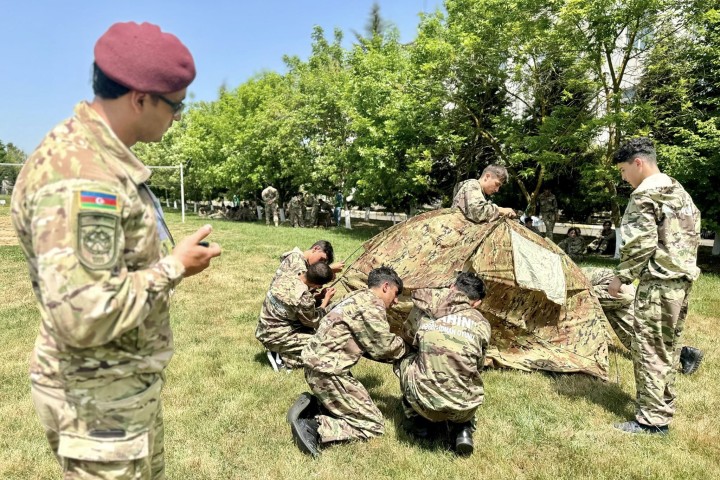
(539, 304)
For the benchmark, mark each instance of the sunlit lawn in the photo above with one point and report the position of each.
(225, 407)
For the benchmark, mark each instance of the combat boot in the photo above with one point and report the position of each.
(690, 359)
(634, 426)
(463, 439)
(306, 406)
(306, 437)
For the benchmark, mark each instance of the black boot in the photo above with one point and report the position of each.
(690, 359)
(305, 434)
(306, 406)
(463, 439)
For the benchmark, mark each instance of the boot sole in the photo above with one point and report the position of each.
(300, 440)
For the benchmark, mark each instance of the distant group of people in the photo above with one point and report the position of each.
(103, 266)
(303, 209)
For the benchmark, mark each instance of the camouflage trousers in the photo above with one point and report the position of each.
(271, 210)
(430, 408)
(290, 347)
(296, 217)
(112, 431)
(312, 217)
(660, 311)
(621, 317)
(353, 415)
(549, 221)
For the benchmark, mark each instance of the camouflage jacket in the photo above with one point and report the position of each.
(471, 201)
(451, 338)
(293, 263)
(356, 325)
(289, 306)
(310, 200)
(270, 195)
(98, 253)
(573, 246)
(547, 203)
(660, 231)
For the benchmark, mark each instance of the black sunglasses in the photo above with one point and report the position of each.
(177, 107)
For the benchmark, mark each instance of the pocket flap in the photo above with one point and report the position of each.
(98, 449)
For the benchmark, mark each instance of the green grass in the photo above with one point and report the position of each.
(225, 407)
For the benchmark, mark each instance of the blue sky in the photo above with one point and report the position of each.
(46, 47)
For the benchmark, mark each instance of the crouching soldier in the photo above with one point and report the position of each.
(620, 313)
(356, 326)
(289, 317)
(441, 381)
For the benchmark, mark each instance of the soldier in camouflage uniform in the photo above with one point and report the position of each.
(356, 326)
(470, 196)
(289, 316)
(271, 197)
(102, 262)
(573, 245)
(313, 208)
(296, 211)
(297, 261)
(661, 233)
(547, 204)
(441, 380)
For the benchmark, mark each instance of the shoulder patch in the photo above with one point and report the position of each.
(97, 239)
(89, 200)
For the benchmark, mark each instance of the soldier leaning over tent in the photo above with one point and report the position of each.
(470, 195)
(440, 381)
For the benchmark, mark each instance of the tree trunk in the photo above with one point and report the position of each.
(716, 244)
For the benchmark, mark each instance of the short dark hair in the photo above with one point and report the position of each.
(607, 222)
(497, 171)
(573, 229)
(383, 274)
(106, 88)
(327, 248)
(528, 219)
(471, 285)
(319, 273)
(641, 147)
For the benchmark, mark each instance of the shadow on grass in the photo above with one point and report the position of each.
(607, 395)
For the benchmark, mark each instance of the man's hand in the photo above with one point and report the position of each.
(329, 294)
(337, 266)
(507, 212)
(614, 287)
(194, 256)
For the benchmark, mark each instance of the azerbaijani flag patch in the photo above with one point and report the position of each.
(97, 201)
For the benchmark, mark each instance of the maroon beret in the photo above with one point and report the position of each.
(144, 59)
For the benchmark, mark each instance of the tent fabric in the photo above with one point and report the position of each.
(524, 273)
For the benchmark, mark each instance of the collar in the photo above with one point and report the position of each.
(654, 181)
(106, 140)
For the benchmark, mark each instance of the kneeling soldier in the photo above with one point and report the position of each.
(357, 325)
(441, 381)
(289, 316)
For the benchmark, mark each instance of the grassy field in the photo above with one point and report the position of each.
(225, 407)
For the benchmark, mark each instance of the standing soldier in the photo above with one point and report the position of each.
(270, 196)
(548, 211)
(661, 231)
(357, 325)
(102, 261)
(313, 206)
(441, 380)
(296, 209)
(469, 196)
